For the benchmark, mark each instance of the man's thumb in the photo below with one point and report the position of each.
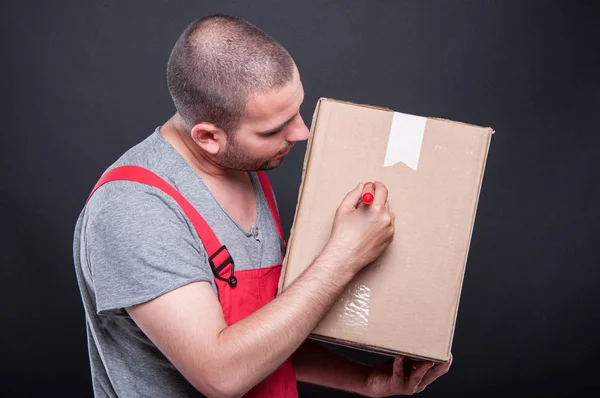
(351, 200)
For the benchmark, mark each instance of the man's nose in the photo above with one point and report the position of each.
(298, 132)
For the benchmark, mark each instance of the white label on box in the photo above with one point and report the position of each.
(404, 142)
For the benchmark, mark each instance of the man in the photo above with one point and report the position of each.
(178, 250)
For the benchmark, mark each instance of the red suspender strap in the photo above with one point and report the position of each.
(266, 186)
(217, 253)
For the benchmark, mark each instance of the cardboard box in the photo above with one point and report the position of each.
(406, 302)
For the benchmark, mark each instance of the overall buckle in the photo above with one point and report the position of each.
(232, 280)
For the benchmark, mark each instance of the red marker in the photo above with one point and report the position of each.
(367, 197)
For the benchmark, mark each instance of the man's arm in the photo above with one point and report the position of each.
(315, 364)
(187, 324)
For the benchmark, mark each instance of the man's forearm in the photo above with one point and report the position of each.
(254, 347)
(315, 364)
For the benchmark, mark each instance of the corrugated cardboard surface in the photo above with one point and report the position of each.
(406, 301)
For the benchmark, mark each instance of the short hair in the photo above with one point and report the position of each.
(216, 63)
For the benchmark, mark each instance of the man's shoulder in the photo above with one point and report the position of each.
(146, 153)
(133, 199)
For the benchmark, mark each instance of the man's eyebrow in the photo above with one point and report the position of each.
(276, 129)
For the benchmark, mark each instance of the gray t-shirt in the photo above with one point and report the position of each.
(133, 243)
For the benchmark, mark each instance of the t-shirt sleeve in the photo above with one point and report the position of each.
(140, 246)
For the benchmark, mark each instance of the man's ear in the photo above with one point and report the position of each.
(209, 137)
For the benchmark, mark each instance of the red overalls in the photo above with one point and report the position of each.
(240, 293)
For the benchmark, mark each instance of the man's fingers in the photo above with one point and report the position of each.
(381, 194)
(416, 376)
(434, 373)
(351, 200)
(398, 369)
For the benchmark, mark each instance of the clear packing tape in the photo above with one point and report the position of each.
(355, 303)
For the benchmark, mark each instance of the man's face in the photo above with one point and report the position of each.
(271, 126)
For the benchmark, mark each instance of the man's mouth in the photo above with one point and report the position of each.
(285, 152)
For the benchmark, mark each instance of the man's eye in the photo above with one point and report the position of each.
(273, 133)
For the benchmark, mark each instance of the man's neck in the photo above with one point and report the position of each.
(175, 133)
(231, 188)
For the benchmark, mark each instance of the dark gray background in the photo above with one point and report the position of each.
(82, 81)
